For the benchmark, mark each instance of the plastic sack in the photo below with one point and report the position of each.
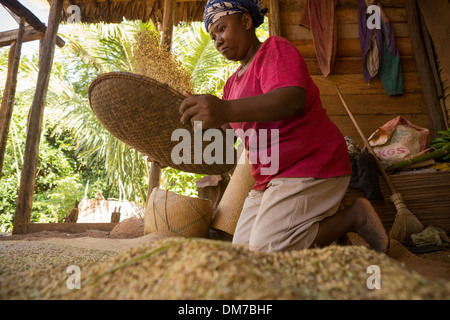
(398, 140)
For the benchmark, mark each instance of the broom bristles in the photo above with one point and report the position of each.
(405, 223)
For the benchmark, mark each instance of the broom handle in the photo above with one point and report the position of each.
(367, 144)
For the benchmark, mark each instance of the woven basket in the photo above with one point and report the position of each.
(182, 215)
(227, 213)
(143, 114)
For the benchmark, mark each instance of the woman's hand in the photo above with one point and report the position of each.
(206, 108)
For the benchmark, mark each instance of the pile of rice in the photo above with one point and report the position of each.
(191, 268)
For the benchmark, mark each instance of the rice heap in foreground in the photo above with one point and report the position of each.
(181, 268)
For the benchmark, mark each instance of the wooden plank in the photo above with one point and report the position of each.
(350, 15)
(27, 180)
(7, 106)
(63, 227)
(348, 48)
(356, 84)
(355, 66)
(18, 9)
(344, 16)
(345, 31)
(293, 5)
(376, 104)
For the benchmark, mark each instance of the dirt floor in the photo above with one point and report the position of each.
(98, 240)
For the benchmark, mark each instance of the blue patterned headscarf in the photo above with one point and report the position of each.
(216, 9)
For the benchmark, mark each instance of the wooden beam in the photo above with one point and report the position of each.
(274, 18)
(63, 227)
(10, 36)
(437, 121)
(31, 154)
(7, 106)
(19, 10)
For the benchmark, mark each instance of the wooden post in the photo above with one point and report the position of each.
(435, 14)
(433, 67)
(423, 68)
(27, 180)
(154, 178)
(274, 18)
(7, 106)
(167, 26)
(437, 25)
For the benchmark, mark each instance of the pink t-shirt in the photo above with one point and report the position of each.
(309, 144)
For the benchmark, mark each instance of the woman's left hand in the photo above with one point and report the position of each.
(208, 109)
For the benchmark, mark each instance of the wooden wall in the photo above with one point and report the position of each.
(371, 106)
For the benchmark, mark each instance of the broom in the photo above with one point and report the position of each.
(405, 222)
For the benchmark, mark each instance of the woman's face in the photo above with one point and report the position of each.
(230, 36)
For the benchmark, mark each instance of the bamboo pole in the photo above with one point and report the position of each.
(7, 106)
(27, 179)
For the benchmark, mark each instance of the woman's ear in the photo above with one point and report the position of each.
(247, 21)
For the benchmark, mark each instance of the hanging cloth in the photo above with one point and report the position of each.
(391, 69)
(379, 51)
(370, 40)
(319, 16)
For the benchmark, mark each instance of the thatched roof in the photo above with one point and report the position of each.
(113, 11)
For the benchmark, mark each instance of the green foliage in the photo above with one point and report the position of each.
(57, 183)
(54, 204)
